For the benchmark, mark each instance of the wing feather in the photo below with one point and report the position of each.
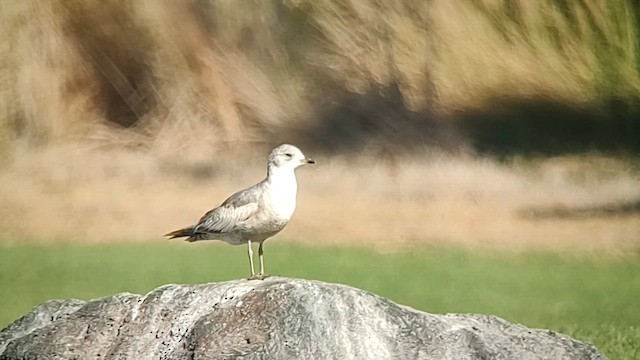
(238, 208)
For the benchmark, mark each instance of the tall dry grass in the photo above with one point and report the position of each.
(202, 75)
(161, 88)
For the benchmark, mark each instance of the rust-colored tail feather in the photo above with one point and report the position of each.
(188, 231)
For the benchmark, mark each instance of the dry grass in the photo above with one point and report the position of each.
(74, 194)
(207, 75)
(117, 117)
(463, 53)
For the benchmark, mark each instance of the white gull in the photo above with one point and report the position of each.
(256, 213)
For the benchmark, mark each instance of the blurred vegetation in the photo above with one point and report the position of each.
(548, 76)
(591, 299)
(534, 77)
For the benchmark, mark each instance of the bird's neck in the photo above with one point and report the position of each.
(281, 178)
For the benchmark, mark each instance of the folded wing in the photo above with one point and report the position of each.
(237, 209)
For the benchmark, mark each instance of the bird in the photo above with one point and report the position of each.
(256, 213)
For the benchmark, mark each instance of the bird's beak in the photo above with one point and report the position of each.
(309, 161)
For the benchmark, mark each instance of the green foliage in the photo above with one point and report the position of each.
(594, 300)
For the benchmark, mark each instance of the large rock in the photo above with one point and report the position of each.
(278, 318)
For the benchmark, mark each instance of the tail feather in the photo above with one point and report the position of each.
(188, 231)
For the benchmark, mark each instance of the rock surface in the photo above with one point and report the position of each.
(275, 318)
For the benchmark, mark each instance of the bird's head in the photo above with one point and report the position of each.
(288, 156)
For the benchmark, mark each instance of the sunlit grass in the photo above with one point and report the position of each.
(594, 300)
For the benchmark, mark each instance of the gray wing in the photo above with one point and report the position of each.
(237, 208)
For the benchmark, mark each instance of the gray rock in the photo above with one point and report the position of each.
(276, 318)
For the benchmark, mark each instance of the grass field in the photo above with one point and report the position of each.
(591, 299)
(441, 126)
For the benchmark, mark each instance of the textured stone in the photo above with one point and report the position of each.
(276, 318)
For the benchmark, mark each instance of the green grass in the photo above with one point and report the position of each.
(595, 300)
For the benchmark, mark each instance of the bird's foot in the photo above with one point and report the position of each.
(258, 277)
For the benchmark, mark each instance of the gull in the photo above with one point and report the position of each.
(255, 213)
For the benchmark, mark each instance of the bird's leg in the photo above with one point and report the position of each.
(250, 252)
(261, 275)
(260, 255)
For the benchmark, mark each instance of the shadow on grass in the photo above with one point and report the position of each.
(550, 127)
(627, 208)
(378, 120)
(506, 126)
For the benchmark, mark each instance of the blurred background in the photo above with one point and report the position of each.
(485, 151)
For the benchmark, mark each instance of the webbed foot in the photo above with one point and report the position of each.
(258, 277)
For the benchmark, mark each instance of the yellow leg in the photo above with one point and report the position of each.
(260, 255)
(250, 252)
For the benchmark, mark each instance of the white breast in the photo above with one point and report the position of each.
(280, 197)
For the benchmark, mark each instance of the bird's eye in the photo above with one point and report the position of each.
(289, 156)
